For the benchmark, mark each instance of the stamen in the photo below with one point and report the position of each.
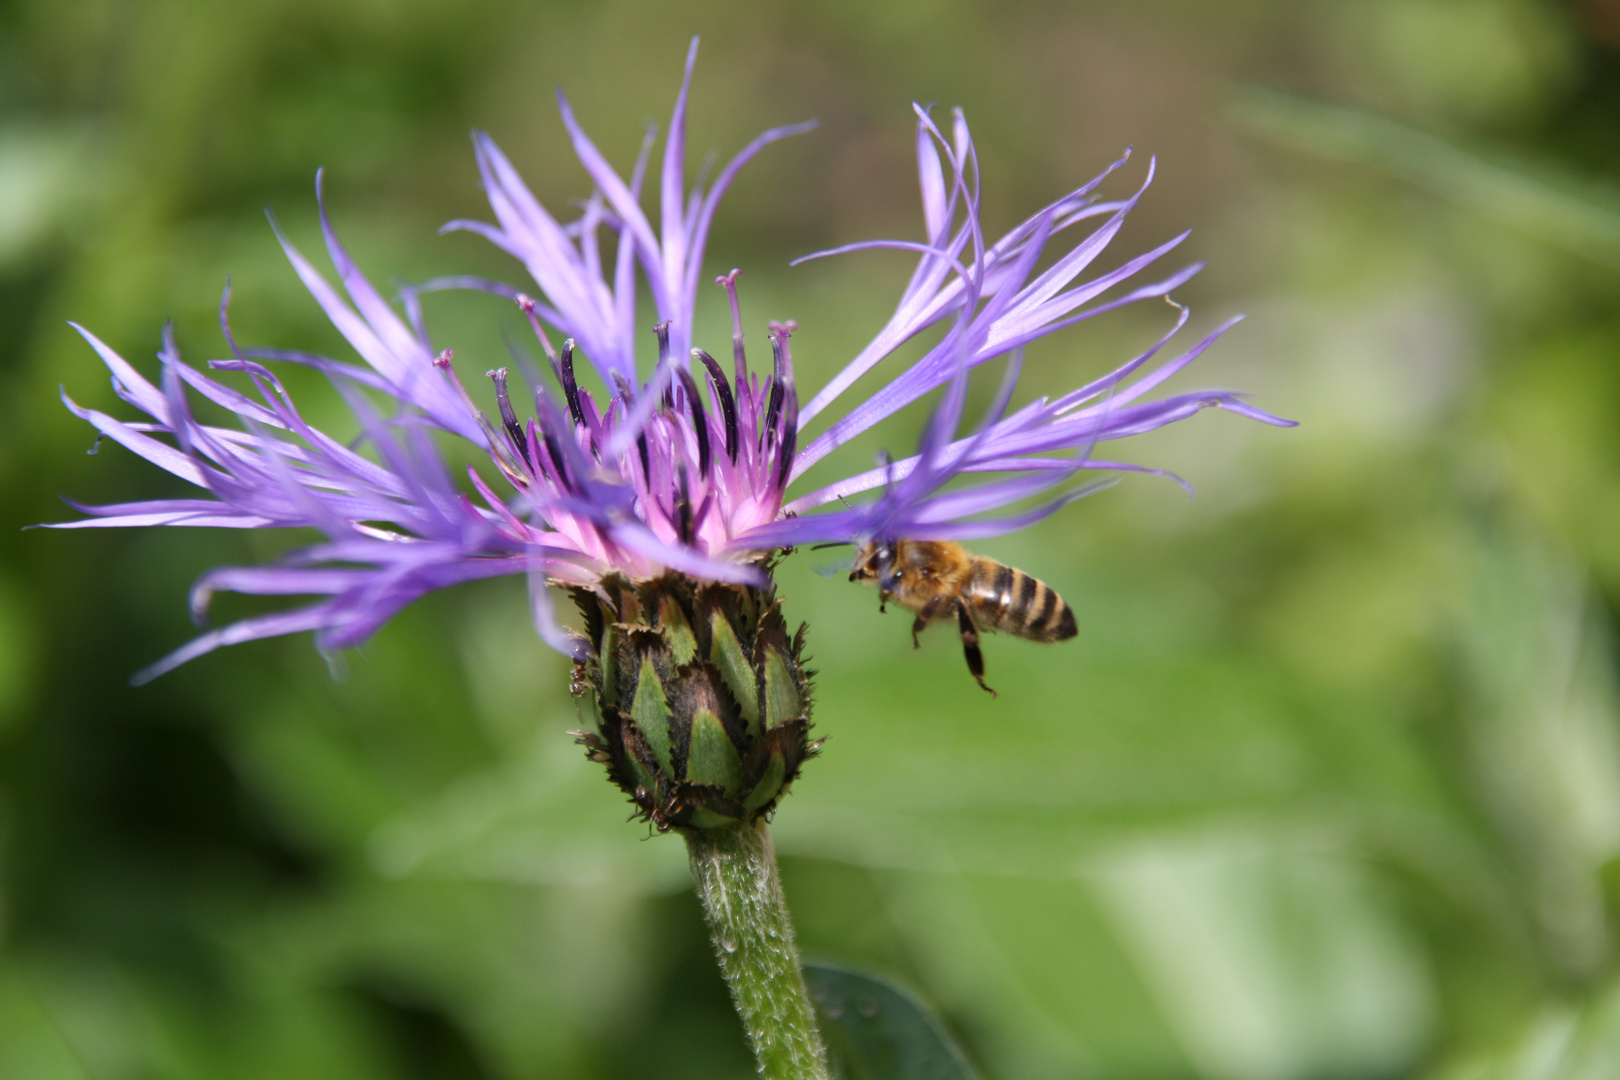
(702, 513)
(521, 358)
(593, 423)
(700, 422)
(561, 366)
(509, 418)
(662, 330)
(783, 389)
(774, 407)
(683, 507)
(559, 466)
(442, 362)
(498, 449)
(722, 394)
(641, 439)
(527, 306)
(738, 353)
(565, 375)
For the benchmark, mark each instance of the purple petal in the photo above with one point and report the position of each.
(283, 622)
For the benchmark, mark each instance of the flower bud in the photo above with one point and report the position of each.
(696, 699)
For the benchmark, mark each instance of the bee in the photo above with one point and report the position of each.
(939, 579)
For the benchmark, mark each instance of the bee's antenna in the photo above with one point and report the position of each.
(831, 544)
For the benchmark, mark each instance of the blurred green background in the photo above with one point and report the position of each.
(1328, 787)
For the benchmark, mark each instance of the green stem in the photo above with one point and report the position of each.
(753, 937)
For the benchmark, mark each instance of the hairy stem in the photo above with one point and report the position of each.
(742, 899)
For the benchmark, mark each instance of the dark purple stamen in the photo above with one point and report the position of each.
(515, 470)
(772, 410)
(784, 388)
(565, 375)
(593, 422)
(559, 465)
(662, 330)
(790, 440)
(509, 418)
(700, 422)
(628, 399)
(722, 394)
(702, 513)
(738, 353)
(683, 507)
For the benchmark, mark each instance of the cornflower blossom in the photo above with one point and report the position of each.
(658, 477)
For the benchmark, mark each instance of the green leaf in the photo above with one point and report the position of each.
(875, 1031)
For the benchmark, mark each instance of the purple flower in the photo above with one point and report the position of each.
(659, 475)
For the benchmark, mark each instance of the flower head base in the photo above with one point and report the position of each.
(698, 700)
(682, 470)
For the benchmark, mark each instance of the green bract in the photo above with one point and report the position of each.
(696, 698)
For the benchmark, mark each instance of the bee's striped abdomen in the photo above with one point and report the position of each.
(1011, 601)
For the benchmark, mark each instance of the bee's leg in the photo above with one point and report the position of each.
(970, 644)
(929, 612)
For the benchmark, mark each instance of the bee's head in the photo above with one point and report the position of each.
(876, 563)
(883, 560)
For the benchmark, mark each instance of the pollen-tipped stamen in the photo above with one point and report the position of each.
(527, 305)
(498, 447)
(565, 375)
(509, 420)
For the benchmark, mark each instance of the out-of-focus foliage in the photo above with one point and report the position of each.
(876, 1031)
(1329, 785)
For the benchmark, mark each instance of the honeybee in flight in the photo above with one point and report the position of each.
(939, 579)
